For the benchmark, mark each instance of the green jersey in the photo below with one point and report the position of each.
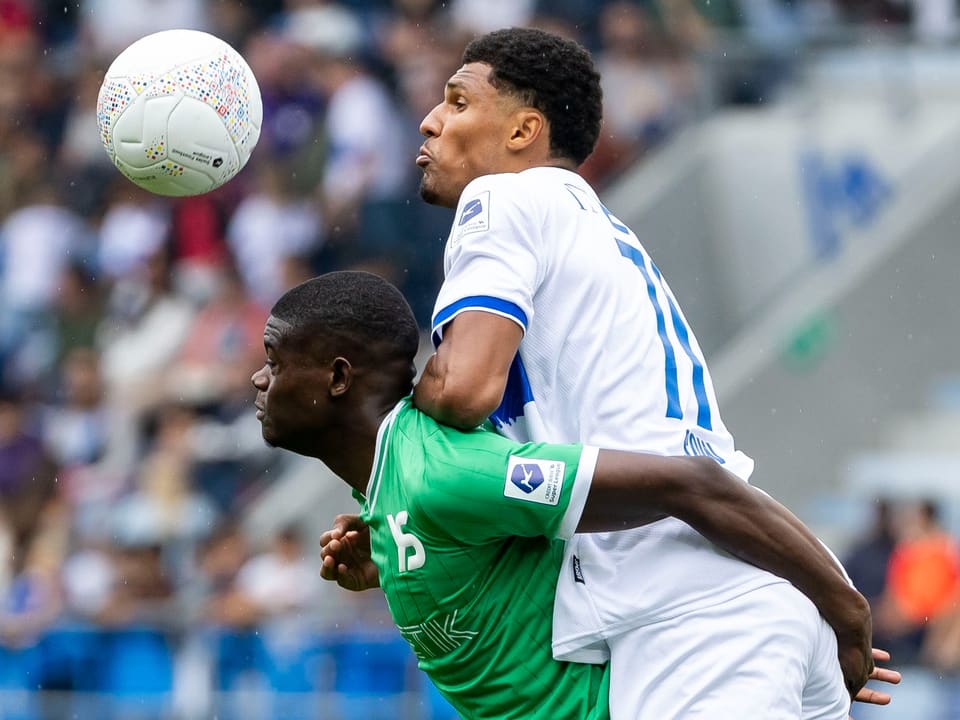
(466, 530)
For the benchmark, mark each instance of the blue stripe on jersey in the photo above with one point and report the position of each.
(692, 445)
(704, 418)
(479, 302)
(669, 357)
(516, 394)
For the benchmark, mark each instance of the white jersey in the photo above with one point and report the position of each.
(606, 359)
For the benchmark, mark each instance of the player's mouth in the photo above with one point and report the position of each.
(424, 157)
(260, 411)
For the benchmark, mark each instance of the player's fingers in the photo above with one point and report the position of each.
(331, 548)
(346, 580)
(886, 675)
(334, 532)
(872, 697)
(328, 568)
(881, 655)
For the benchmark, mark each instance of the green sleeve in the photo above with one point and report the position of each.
(480, 486)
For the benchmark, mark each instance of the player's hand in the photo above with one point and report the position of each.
(854, 651)
(345, 554)
(877, 697)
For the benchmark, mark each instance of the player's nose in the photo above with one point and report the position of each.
(259, 378)
(430, 125)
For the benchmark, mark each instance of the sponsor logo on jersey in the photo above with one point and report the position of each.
(577, 572)
(527, 477)
(534, 480)
(472, 209)
(475, 217)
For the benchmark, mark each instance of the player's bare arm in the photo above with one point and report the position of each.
(345, 547)
(463, 382)
(630, 489)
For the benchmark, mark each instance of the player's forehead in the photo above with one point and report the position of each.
(275, 331)
(473, 78)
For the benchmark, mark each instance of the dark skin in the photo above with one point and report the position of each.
(311, 399)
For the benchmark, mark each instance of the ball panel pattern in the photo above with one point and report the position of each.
(184, 98)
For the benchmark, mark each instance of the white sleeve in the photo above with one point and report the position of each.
(493, 258)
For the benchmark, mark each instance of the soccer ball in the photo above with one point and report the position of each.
(179, 112)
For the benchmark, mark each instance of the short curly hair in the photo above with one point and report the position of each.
(354, 310)
(552, 74)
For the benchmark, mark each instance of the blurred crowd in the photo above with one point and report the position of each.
(907, 564)
(130, 324)
(908, 567)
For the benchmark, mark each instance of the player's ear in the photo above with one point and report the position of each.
(529, 125)
(341, 377)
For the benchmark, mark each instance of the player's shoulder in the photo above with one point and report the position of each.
(527, 196)
(410, 424)
(536, 181)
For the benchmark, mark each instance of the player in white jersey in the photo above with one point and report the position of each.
(553, 321)
(558, 303)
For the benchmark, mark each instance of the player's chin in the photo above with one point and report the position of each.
(430, 191)
(427, 192)
(267, 432)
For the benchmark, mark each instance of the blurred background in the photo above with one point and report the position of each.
(792, 165)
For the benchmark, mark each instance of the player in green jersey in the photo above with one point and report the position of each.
(466, 528)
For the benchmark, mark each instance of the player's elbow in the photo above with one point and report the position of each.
(458, 401)
(466, 407)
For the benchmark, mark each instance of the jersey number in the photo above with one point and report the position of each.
(654, 281)
(406, 540)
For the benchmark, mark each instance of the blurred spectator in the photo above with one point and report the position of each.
(198, 246)
(366, 156)
(220, 559)
(281, 582)
(271, 226)
(34, 598)
(649, 88)
(89, 575)
(875, 13)
(867, 560)
(143, 332)
(924, 570)
(77, 311)
(477, 17)
(165, 509)
(135, 226)
(292, 132)
(27, 474)
(142, 591)
(923, 580)
(223, 346)
(109, 26)
(75, 429)
(38, 242)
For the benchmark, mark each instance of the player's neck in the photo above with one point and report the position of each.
(349, 451)
(350, 456)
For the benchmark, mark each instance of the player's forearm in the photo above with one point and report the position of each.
(753, 526)
(632, 489)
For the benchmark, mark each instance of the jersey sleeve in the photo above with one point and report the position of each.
(480, 486)
(492, 261)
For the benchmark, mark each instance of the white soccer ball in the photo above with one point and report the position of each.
(179, 112)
